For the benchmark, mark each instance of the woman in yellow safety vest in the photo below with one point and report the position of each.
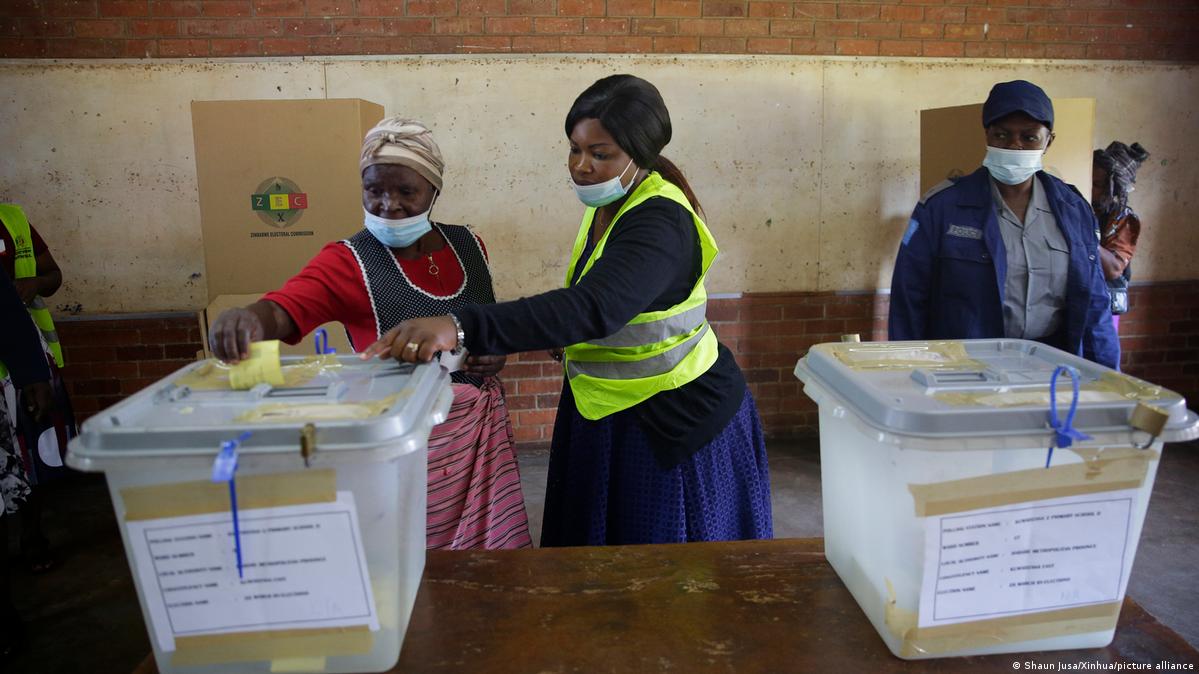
(26, 259)
(657, 438)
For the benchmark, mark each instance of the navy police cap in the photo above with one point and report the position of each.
(1018, 96)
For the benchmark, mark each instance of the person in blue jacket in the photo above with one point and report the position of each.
(1007, 251)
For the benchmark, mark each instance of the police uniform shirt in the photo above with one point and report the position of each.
(1038, 259)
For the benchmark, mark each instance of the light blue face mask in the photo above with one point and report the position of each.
(398, 233)
(1012, 167)
(602, 194)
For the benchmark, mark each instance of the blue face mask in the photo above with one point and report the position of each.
(602, 194)
(1012, 167)
(398, 233)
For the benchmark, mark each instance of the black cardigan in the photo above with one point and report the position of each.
(650, 262)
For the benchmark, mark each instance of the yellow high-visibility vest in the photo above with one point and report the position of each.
(25, 266)
(658, 350)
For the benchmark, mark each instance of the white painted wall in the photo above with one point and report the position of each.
(807, 167)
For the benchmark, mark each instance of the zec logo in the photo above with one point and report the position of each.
(279, 202)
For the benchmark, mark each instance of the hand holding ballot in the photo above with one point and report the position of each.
(232, 332)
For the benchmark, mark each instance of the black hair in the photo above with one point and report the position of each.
(1121, 163)
(633, 111)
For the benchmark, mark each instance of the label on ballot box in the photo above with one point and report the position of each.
(1026, 558)
(303, 567)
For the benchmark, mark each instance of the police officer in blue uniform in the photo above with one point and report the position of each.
(1007, 251)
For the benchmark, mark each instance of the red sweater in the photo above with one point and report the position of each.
(331, 288)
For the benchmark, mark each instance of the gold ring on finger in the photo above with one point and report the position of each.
(412, 346)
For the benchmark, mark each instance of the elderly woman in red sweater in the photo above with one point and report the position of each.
(403, 265)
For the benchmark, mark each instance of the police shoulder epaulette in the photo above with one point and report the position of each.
(936, 189)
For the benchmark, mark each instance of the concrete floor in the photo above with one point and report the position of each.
(83, 616)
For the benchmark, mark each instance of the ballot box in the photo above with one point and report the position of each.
(965, 513)
(279, 528)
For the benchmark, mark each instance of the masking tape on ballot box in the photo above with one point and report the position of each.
(314, 412)
(1035, 398)
(1110, 387)
(1101, 470)
(903, 356)
(179, 499)
(1130, 388)
(283, 646)
(917, 641)
(214, 375)
(305, 665)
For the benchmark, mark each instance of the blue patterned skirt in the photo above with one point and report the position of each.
(606, 486)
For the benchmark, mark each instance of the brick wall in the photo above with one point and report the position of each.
(113, 358)
(1062, 29)
(110, 359)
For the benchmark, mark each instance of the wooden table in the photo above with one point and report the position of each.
(751, 606)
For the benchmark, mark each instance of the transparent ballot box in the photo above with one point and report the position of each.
(279, 528)
(964, 512)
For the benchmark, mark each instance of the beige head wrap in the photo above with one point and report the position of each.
(407, 142)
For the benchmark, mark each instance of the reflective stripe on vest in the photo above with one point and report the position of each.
(638, 334)
(638, 369)
(656, 351)
(45, 323)
(25, 266)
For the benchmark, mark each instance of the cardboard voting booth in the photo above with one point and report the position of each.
(277, 181)
(952, 143)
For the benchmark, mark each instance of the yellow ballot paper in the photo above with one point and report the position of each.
(262, 366)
